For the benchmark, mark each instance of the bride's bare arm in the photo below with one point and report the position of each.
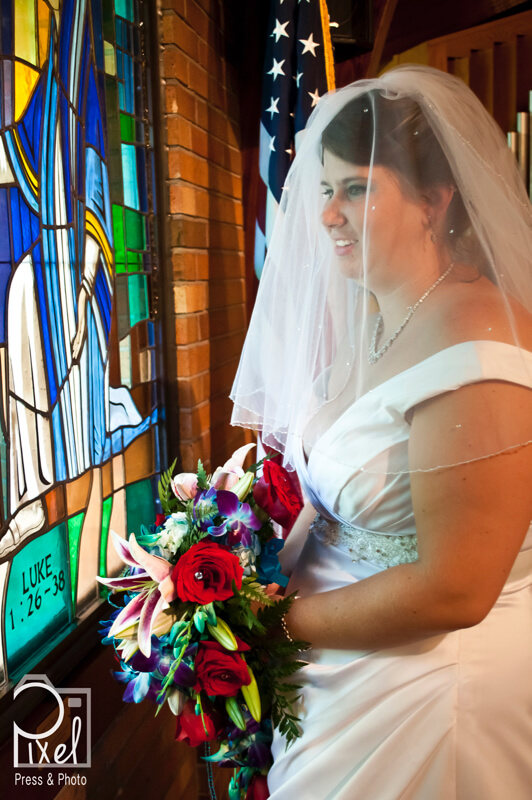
(471, 521)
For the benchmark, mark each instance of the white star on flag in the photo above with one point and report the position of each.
(273, 107)
(272, 146)
(277, 68)
(280, 30)
(297, 77)
(315, 97)
(310, 45)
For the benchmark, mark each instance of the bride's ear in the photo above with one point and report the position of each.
(438, 200)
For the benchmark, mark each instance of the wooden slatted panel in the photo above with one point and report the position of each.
(505, 83)
(481, 76)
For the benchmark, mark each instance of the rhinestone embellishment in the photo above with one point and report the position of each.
(381, 549)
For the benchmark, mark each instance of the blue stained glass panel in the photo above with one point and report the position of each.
(5, 238)
(141, 179)
(16, 224)
(129, 83)
(93, 119)
(5, 274)
(98, 40)
(6, 27)
(30, 130)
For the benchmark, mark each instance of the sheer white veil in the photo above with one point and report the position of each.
(310, 317)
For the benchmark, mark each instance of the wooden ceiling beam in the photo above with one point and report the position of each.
(380, 38)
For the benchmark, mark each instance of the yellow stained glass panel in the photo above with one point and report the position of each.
(25, 79)
(44, 16)
(25, 38)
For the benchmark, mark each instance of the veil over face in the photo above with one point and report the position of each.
(403, 206)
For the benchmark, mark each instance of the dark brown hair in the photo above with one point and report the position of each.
(394, 133)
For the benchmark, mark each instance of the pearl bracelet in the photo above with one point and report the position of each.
(286, 632)
(284, 626)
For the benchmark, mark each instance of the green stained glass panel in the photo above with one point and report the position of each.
(135, 229)
(38, 600)
(127, 128)
(120, 247)
(75, 524)
(138, 299)
(140, 506)
(107, 507)
(134, 262)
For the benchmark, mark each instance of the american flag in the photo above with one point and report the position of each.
(298, 70)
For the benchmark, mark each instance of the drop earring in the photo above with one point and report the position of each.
(431, 229)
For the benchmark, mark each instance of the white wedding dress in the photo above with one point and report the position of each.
(447, 718)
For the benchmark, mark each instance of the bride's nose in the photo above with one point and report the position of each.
(332, 215)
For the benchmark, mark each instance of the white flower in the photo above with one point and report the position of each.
(174, 530)
(248, 555)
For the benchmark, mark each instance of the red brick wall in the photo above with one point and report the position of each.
(205, 227)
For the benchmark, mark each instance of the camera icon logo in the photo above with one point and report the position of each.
(64, 741)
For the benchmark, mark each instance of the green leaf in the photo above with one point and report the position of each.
(169, 502)
(203, 482)
(255, 591)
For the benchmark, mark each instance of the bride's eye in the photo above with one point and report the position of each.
(326, 192)
(355, 190)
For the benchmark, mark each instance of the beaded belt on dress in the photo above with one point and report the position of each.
(382, 549)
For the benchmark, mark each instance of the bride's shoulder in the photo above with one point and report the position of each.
(477, 310)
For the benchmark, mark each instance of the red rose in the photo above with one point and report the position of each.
(258, 788)
(193, 730)
(277, 494)
(219, 671)
(205, 573)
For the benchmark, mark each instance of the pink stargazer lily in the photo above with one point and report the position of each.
(154, 586)
(227, 476)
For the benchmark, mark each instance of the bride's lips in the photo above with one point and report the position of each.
(343, 247)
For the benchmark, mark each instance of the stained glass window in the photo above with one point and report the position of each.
(79, 411)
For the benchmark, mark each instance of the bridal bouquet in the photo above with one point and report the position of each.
(187, 632)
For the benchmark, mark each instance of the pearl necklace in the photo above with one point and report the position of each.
(374, 355)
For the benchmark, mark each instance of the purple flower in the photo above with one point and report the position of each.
(239, 519)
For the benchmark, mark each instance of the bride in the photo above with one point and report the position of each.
(389, 357)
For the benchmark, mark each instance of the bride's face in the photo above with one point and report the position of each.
(396, 224)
